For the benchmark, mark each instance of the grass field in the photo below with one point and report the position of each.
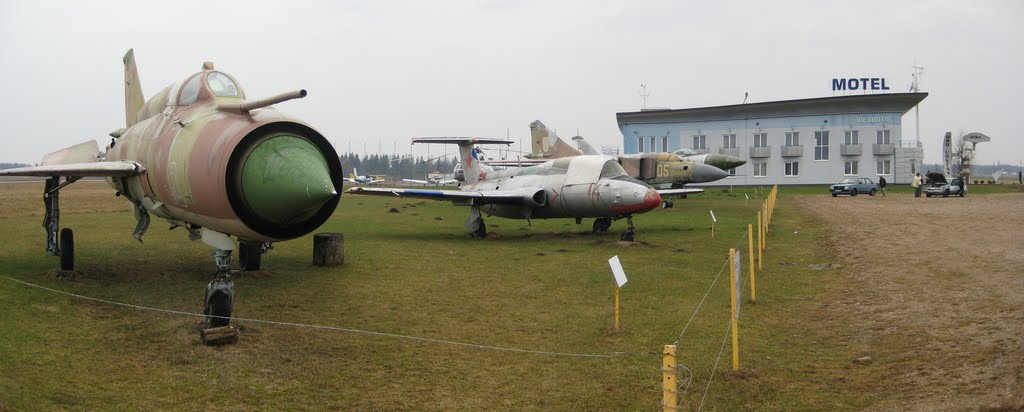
(545, 287)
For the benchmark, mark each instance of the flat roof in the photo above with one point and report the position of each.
(867, 103)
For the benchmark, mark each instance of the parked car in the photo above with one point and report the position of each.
(938, 185)
(854, 185)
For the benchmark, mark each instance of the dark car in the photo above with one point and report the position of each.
(852, 186)
(938, 185)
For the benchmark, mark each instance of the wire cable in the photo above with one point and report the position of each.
(340, 329)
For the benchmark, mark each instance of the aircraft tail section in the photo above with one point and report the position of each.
(133, 98)
(585, 146)
(469, 156)
(547, 145)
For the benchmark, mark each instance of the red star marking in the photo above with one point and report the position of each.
(483, 175)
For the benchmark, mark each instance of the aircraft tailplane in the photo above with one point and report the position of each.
(468, 154)
(133, 98)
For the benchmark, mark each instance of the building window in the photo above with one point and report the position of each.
(792, 138)
(852, 137)
(792, 169)
(731, 172)
(654, 148)
(884, 167)
(640, 145)
(700, 141)
(821, 145)
(729, 141)
(851, 168)
(913, 167)
(760, 169)
(760, 139)
(882, 137)
(664, 143)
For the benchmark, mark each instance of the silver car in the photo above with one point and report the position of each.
(938, 186)
(854, 185)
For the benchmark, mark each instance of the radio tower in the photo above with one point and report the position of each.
(918, 71)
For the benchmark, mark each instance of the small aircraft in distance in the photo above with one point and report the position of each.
(573, 187)
(435, 179)
(204, 158)
(354, 177)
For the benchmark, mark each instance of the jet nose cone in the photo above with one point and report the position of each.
(285, 179)
(725, 162)
(651, 199)
(703, 173)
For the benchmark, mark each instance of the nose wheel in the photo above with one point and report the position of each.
(220, 293)
(627, 236)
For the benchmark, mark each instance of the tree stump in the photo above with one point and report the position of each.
(328, 249)
(219, 336)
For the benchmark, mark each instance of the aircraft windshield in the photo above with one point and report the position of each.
(612, 169)
(222, 85)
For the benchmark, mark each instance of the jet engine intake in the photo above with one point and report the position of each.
(283, 179)
(535, 197)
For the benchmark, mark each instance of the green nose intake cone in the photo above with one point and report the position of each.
(285, 180)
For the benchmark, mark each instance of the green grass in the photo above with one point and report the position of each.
(545, 287)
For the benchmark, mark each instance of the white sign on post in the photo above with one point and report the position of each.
(746, 197)
(620, 275)
(713, 216)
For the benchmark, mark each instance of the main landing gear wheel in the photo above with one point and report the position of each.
(602, 224)
(667, 204)
(67, 249)
(250, 255)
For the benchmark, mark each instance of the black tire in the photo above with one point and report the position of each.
(853, 192)
(872, 192)
(67, 249)
(250, 255)
(602, 224)
(627, 236)
(481, 231)
(945, 193)
(835, 194)
(219, 305)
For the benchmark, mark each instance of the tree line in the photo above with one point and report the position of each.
(396, 167)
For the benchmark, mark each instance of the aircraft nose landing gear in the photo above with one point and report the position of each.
(627, 236)
(220, 293)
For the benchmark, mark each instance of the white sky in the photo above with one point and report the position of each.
(387, 71)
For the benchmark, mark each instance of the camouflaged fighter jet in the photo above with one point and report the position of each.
(573, 187)
(661, 170)
(201, 156)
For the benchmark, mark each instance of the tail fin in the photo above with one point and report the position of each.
(133, 98)
(547, 145)
(585, 146)
(468, 156)
(354, 173)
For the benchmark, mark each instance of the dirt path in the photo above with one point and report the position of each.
(935, 296)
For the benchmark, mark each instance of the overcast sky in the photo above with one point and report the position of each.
(381, 72)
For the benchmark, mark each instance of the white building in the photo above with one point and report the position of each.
(806, 141)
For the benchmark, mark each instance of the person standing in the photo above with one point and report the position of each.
(1020, 176)
(881, 184)
(916, 185)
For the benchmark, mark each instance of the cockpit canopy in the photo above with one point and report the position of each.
(590, 169)
(218, 84)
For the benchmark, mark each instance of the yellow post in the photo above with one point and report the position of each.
(735, 322)
(760, 241)
(669, 385)
(616, 307)
(750, 260)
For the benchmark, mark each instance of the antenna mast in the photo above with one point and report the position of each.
(914, 87)
(643, 94)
